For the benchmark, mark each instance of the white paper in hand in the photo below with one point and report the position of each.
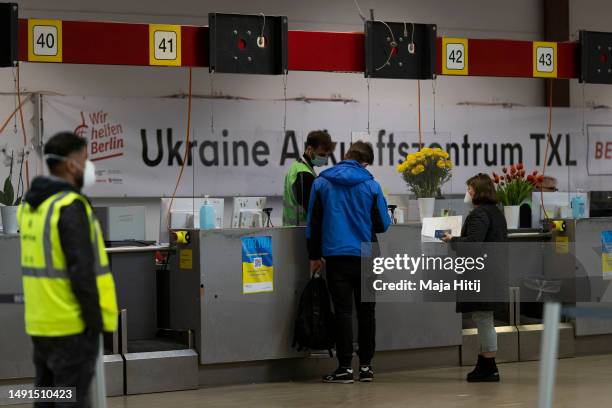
(433, 224)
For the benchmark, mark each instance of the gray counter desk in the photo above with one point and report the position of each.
(231, 326)
(586, 233)
(15, 344)
(205, 295)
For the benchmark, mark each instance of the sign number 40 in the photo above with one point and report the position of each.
(45, 40)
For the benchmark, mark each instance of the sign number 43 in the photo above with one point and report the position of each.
(545, 59)
(164, 44)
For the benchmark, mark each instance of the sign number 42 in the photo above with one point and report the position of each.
(454, 56)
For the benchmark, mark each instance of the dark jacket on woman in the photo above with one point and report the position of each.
(485, 223)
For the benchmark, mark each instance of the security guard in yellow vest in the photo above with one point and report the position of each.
(301, 175)
(69, 292)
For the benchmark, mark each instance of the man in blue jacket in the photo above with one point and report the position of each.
(347, 208)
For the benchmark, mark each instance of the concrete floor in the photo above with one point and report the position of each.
(581, 382)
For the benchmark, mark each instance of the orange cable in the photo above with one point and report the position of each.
(6, 122)
(419, 113)
(187, 148)
(23, 129)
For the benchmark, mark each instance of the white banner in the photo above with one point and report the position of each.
(239, 148)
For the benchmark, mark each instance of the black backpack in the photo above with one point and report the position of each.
(314, 325)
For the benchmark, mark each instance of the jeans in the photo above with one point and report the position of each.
(67, 361)
(344, 282)
(486, 331)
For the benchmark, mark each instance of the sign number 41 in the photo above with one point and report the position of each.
(164, 44)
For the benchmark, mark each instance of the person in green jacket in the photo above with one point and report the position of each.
(301, 175)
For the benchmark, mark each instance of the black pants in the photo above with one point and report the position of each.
(344, 281)
(66, 362)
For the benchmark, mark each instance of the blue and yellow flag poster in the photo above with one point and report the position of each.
(606, 254)
(257, 266)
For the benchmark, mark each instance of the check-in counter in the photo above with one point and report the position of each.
(242, 337)
(207, 294)
(15, 345)
(232, 332)
(592, 318)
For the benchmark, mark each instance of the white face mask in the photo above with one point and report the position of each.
(468, 198)
(89, 174)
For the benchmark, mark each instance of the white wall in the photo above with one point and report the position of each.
(593, 15)
(519, 19)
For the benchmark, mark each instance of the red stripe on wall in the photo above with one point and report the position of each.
(326, 51)
(105, 43)
(194, 51)
(503, 58)
(22, 33)
(128, 44)
(568, 60)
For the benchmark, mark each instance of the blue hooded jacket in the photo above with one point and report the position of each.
(347, 208)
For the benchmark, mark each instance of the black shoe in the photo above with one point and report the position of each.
(343, 375)
(485, 371)
(366, 374)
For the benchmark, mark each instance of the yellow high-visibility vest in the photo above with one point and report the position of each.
(51, 309)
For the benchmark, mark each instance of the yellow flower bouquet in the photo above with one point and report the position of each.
(426, 171)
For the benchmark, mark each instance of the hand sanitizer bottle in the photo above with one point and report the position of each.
(207, 215)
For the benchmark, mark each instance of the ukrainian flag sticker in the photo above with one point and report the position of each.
(257, 265)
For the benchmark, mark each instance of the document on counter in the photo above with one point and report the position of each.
(434, 228)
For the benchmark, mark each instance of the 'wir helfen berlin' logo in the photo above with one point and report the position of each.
(105, 137)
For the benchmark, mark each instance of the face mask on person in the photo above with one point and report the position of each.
(87, 178)
(468, 198)
(89, 174)
(319, 161)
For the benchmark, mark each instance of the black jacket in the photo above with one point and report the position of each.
(76, 243)
(485, 223)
